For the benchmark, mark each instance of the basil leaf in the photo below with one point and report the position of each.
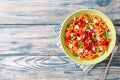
(89, 20)
(73, 38)
(96, 48)
(93, 38)
(105, 34)
(75, 55)
(87, 26)
(71, 25)
(80, 45)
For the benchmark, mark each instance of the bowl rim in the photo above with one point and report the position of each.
(85, 61)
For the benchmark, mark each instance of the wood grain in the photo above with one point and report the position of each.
(53, 67)
(49, 11)
(28, 39)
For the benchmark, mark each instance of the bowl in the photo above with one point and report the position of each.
(90, 12)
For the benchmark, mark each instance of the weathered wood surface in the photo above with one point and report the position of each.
(53, 67)
(28, 49)
(28, 39)
(49, 11)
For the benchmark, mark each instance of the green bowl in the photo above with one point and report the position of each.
(91, 12)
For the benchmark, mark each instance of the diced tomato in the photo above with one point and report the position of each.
(89, 47)
(76, 45)
(105, 42)
(68, 38)
(76, 33)
(93, 52)
(85, 45)
(71, 30)
(84, 21)
(80, 22)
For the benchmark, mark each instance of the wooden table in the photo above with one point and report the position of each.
(28, 49)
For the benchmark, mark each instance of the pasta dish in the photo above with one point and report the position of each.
(87, 36)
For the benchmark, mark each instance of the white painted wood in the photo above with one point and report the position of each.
(53, 67)
(28, 39)
(49, 11)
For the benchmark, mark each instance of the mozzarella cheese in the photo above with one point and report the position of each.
(95, 21)
(86, 50)
(80, 50)
(71, 34)
(110, 35)
(101, 48)
(76, 27)
(93, 48)
(86, 20)
(91, 27)
(78, 38)
(70, 45)
(98, 38)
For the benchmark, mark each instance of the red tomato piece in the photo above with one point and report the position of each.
(68, 38)
(76, 44)
(76, 33)
(71, 30)
(105, 42)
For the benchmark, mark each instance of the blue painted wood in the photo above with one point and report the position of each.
(53, 67)
(29, 39)
(49, 11)
(28, 49)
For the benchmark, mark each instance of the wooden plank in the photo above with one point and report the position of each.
(49, 11)
(28, 39)
(52, 67)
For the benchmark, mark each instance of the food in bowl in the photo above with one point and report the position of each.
(87, 36)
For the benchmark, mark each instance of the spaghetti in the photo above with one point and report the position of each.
(87, 36)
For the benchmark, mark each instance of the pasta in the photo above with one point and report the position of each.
(87, 36)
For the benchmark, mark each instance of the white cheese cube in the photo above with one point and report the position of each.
(93, 48)
(76, 27)
(80, 50)
(110, 34)
(86, 50)
(71, 34)
(98, 38)
(101, 49)
(78, 38)
(70, 45)
(91, 27)
(86, 20)
(95, 21)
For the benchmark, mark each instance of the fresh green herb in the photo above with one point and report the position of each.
(80, 45)
(105, 34)
(73, 38)
(74, 54)
(87, 26)
(96, 49)
(71, 25)
(93, 38)
(89, 20)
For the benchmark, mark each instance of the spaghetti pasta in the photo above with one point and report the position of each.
(87, 36)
